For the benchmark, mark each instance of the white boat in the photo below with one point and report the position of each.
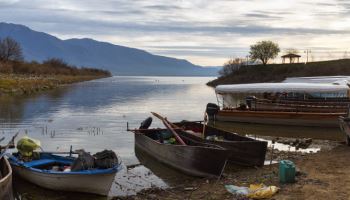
(288, 103)
(95, 181)
(5, 180)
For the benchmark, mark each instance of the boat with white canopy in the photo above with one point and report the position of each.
(305, 104)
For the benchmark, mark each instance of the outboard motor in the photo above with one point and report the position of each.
(145, 124)
(249, 100)
(212, 109)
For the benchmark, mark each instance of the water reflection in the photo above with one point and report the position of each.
(68, 116)
(71, 115)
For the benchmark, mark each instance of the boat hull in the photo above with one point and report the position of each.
(242, 150)
(93, 183)
(5, 180)
(192, 160)
(280, 118)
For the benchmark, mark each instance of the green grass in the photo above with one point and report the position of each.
(278, 72)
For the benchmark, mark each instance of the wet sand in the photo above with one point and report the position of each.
(321, 175)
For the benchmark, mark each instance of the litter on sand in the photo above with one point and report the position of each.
(255, 191)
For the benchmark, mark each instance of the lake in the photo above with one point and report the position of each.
(93, 115)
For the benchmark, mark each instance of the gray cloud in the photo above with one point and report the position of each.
(212, 28)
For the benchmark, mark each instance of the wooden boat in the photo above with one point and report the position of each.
(41, 173)
(6, 171)
(302, 113)
(5, 180)
(194, 158)
(280, 118)
(298, 106)
(242, 150)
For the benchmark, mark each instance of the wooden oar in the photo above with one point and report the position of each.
(168, 125)
(150, 130)
(164, 118)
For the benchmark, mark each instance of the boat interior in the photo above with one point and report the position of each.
(49, 162)
(197, 127)
(4, 170)
(164, 136)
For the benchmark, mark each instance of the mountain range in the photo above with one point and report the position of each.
(120, 60)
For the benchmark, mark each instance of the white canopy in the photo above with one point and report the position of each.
(318, 79)
(282, 87)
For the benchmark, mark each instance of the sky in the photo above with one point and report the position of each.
(205, 32)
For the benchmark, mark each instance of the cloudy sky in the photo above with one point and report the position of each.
(206, 32)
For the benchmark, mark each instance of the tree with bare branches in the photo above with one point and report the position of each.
(264, 51)
(10, 49)
(231, 66)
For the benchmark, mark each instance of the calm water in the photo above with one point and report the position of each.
(93, 115)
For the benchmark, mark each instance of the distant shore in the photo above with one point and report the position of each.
(18, 84)
(278, 72)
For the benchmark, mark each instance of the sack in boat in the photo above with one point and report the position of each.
(83, 162)
(27, 145)
(105, 159)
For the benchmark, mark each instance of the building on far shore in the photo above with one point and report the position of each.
(292, 57)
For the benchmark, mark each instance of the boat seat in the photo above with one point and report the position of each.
(36, 163)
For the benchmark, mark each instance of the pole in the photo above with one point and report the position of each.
(169, 126)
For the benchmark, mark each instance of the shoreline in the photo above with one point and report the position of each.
(317, 177)
(18, 84)
(272, 73)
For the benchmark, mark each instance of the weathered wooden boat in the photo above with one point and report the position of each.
(280, 118)
(5, 180)
(42, 173)
(195, 158)
(299, 113)
(243, 150)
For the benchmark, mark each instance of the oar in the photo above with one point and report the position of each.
(169, 127)
(150, 130)
(2, 139)
(164, 118)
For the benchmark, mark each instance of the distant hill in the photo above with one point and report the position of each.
(279, 72)
(119, 60)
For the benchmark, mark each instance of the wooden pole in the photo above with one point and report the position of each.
(169, 125)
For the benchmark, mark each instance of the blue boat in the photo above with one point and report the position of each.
(42, 172)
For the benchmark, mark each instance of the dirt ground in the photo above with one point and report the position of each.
(322, 175)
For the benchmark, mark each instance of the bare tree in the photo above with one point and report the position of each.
(292, 50)
(10, 49)
(231, 66)
(264, 51)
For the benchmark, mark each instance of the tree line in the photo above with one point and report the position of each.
(12, 61)
(260, 52)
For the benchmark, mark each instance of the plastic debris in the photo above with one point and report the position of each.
(255, 191)
(237, 190)
(27, 145)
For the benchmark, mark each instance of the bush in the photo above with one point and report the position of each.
(51, 66)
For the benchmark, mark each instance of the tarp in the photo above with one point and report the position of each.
(282, 87)
(318, 79)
